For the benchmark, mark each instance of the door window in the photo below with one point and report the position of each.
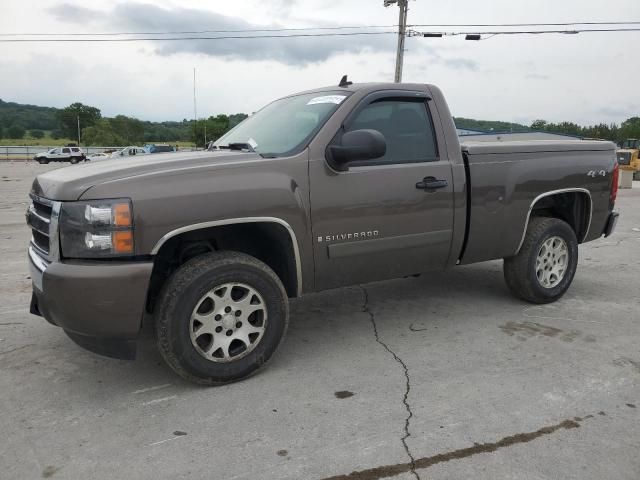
(407, 128)
(65, 150)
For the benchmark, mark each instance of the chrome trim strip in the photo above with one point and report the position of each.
(42, 200)
(231, 221)
(555, 192)
(386, 244)
(39, 250)
(32, 211)
(38, 261)
(54, 234)
(38, 228)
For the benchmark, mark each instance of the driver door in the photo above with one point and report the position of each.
(377, 220)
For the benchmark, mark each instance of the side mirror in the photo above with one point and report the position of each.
(357, 145)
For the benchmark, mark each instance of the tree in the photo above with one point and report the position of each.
(15, 131)
(102, 133)
(539, 125)
(68, 118)
(216, 127)
(36, 133)
(57, 134)
(630, 128)
(236, 118)
(131, 130)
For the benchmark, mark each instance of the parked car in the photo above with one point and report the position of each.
(129, 151)
(61, 154)
(153, 148)
(338, 186)
(98, 156)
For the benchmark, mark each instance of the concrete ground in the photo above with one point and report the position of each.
(445, 376)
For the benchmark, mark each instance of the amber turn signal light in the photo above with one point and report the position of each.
(123, 242)
(121, 215)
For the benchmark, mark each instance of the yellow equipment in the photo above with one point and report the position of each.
(629, 156)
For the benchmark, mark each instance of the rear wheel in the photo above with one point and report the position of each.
(220, 318)
(544, 268)
(43, 161)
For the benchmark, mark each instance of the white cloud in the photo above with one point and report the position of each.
(585, 78)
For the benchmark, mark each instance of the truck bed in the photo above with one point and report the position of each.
(504, 179)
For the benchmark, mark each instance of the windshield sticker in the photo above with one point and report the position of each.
(252, 142)
(337, 99)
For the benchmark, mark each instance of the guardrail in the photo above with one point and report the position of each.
(26, 153)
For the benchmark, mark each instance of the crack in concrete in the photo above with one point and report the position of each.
(405, 398)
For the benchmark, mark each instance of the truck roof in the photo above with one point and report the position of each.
(355, 87)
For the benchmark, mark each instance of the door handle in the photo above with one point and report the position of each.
(431, 183)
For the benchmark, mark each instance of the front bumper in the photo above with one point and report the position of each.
(100, 305)
(612, 221)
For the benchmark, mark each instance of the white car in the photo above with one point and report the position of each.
(99, 156)
(61, 154)
(129, 151)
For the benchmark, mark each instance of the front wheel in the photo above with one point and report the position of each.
(544, 268)
(220, 318)
(73, 160)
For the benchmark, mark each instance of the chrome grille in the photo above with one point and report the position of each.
(42, 218)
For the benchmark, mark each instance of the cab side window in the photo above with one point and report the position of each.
(66, 150)
(407, 128)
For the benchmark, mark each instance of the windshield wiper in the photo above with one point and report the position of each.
(236, 146)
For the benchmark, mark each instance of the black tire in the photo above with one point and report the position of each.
(180, 296)
(520, 270)
(43, 161)
(73, 160)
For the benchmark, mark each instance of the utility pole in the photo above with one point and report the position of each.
(78, 117)
(402, 33)
(195, 110)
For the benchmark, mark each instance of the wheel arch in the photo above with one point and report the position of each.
(269, 239)
(573, 205)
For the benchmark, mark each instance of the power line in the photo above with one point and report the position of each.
(193, 32)
(490, 34)
(294, 29)
(566, 24)
(410, 33)
(170, 39)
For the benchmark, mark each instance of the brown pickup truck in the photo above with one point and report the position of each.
(321, 189)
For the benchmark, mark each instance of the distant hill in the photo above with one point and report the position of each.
(29, 117)
(33, 117)
(489, 125)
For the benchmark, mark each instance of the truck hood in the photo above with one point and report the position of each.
(71, 182)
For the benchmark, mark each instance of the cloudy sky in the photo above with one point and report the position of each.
(584, 78)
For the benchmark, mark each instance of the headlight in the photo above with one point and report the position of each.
(96, 229)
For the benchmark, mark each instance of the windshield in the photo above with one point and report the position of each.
(285, 126)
